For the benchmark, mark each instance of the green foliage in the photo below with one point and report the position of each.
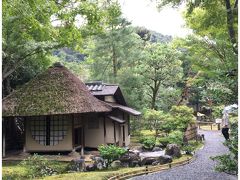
(153, 119)
(175, 137)
(132, 87)
(168, 124)
(39, 166)
(229, 162)
(148, 142)
(183, 116)
(161, 68)
(32, 29)
(217, 111)
(163, 141)
(111, 152)
(191, 146)
(117, 47)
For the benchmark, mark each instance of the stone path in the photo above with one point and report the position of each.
(200, 169)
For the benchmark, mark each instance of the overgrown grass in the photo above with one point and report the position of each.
(12, 170)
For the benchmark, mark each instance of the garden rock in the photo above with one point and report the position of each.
(130, 159)
(199, 137)
(155, 163)
(78, 165)
(116, 164)
(148, 160)
(157, 149)
(91, 167)
(99, 162)
(165, 159)
(173, 150)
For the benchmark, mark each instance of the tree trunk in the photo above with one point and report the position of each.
(230, 21)
(155, 93)
(153, 104)
(114, 64)
(6, 87)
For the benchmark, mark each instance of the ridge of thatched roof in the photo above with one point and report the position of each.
(56, 91)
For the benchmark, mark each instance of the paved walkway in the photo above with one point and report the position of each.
(200, 169)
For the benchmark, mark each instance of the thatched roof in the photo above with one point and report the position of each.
(56, 91)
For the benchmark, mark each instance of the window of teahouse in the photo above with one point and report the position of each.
(49, 130)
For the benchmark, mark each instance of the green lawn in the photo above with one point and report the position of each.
(11, 170)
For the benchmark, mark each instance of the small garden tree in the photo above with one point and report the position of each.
(111, 152)
(183, 116)
(154, 120)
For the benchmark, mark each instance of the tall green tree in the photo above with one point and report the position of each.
(29, 34)
(116, 48)
(215, 18)
(160, 68)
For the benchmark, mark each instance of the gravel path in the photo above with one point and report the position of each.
(200, 169)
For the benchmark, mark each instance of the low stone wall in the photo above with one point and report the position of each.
(191, 132)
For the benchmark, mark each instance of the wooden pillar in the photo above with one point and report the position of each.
(83, 137)
(104, 128)
(123, 126)
(120, 135)
(114, 129)
(73, 133)
(3, 139)
(25, 134)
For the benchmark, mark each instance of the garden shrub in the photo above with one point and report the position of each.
(148, 142)
(188, 149)
(183, 116)
(111, 152)
(227, 163)
(38, 166)
(175, 137)
(217, 111)
(163, 141)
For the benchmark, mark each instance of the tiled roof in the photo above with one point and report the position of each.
(124, 108)
(99, 88)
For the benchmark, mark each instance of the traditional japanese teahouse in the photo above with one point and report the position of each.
(60, 113)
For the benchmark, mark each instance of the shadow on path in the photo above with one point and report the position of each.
(200, 169)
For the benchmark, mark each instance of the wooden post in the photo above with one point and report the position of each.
(104, 128)
(146, 170)
(82, 140)
(114, 129)
(73, 133)
(25, 134)
(218, 126)
(170, 165)
(124, 143)
(3, 139)
(211, 126)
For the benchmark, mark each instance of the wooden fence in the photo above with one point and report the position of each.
(208, 124)
(150, 169)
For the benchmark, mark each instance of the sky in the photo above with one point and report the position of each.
(144, 13)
